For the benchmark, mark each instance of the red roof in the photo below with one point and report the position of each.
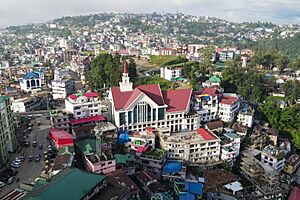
(212, 91)
(229, 100)
(72, 96)
(206, 134)
(95, 118)
(177, 100)
(61, 138)
(91, 94)
(124, 99)
(125, 68)
(295, 194)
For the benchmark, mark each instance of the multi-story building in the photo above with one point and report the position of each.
(245, 116)
(151, 159)
(170, 73)
(198, 147)
(8, 141)
(228, 107)
(273, 157)
(138, 141)
(206, 103)
(60, 119)
(25, 104)
(148, 106)
(61, 84)
(83, 105)
(230, 147)
(32, 81)
(292, 164)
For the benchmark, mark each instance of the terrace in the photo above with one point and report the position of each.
(156, 154)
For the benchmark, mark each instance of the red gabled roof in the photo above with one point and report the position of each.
(60, 134)
(96, 118)
(295, 194)
(72, 96)
(124, 99)
(206, 134)
(228, 100)
(177, 100)
(212, 91)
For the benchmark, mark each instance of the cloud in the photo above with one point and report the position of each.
(15, 12)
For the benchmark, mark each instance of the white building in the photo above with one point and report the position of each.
(83, 105)
(230, 147)
(61, 85)
(228, 107)
(273, 157)
(32, 81)
(245, 117)
(25, 104)
(170, 73)
(200, 146)
(148, 106)
(139, 141)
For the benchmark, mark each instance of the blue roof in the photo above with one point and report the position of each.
(187, 196)
(172, 167)
(195, 188)
(123, 137)
(31, 74)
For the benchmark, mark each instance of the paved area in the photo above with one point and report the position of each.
(29, 171)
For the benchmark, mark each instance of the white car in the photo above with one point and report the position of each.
(2, 184)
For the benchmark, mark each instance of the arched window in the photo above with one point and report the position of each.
(142, 113)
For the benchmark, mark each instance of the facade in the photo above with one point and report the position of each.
(228, 108)
(245, 117)
(83, 105)
(273, 157)
(171, 74)
(61, 85)
(32, 81)
(151, 159)
(8, 141)
(230, 147)
(138, 141)
(226, 55)
(148, 106)
(292, 164)
(25, 104)
(60, 119)
(197, 147)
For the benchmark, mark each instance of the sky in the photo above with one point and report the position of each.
(18, 12)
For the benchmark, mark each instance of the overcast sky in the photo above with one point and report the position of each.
(15, 12)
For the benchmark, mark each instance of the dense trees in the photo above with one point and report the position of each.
(106, 71)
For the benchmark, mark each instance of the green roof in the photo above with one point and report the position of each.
(87, 146)
(215, 79)
(2, 98)
(123, 159)
(67, 150)
(71, 184)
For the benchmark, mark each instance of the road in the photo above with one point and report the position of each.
(29, 171)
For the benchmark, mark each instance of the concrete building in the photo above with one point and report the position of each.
(245, 116)
(228, 107)
(32, 81)
(197, 147)
(60, 119)
(25, 104)
(61, 84)
(273, 157)
(170, 73)
(83, 105)
(148, 106)
(8, 141)
(230, 147)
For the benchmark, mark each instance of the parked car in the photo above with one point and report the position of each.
(2, 184)
(30, 157)
(41, 147)
(15, 165)
(11, 180)
(38, 158)
(34, 143)
(13, 172)
(21, 158)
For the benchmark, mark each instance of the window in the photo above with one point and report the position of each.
(154, 114)
(161, 113)
(78, 113)
(122, 118)
(130, 117)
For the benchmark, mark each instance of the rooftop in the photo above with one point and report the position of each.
(273, 151)
(192, 136)
(88, 94)
(228, 100)
(96, 118)
(154, 153)
(177, 100)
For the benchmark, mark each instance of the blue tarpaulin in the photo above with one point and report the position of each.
(172, 167)
(195, 188)
(187, 196)
(123, 137)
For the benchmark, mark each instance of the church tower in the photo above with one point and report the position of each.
(125, 85)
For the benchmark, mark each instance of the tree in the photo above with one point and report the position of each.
(292, 91)
(132, 70)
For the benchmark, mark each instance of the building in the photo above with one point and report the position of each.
(60, 119)
(61, 85)
(212, 81)
(148, 106)
(96, 156)
(188, 190)
(126, 163)
(8, 141)
(226, 55)
(138, 141)
(197, 147)
(71, 183)
(230, 147)
(151, 159)
(206, 103)
(171, 73)
(245, 116)
(228, 107)
(25, 104)
(32, 81)
(273, 157)
(83, 105)
(61, 138)
(292, 163)
(174, 170)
